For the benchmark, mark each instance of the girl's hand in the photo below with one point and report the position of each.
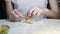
(15, 15)
(35, 11)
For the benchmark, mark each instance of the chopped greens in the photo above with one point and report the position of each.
(4, 29)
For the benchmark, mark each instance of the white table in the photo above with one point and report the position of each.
(45, 25)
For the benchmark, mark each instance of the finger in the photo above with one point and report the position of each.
(39, 12)
(14, 15)
(13, 19)
(18, 13)
(35, 12)
(30, 15)
(30, 12)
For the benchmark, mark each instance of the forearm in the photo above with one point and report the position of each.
(9, 7)
(51, 13)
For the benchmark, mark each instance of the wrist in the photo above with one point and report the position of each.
(45, 10)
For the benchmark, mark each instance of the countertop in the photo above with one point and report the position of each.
(44, 26)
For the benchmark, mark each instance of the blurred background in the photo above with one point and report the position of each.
(59, 4)
(3, 13)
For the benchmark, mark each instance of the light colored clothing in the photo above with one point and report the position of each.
(25, 5)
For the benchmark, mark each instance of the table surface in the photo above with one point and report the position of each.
(44, 25)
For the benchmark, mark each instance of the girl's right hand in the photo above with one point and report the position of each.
(15, 15)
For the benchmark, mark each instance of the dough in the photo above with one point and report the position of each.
(30, 21)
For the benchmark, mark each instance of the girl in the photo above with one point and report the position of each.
(32, 8)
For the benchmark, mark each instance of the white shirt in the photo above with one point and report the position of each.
(25, 5)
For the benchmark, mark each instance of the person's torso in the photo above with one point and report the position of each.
(25, 5)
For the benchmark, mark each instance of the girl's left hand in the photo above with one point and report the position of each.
(35, 11)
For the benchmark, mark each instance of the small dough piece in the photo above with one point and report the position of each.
(30, 20)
